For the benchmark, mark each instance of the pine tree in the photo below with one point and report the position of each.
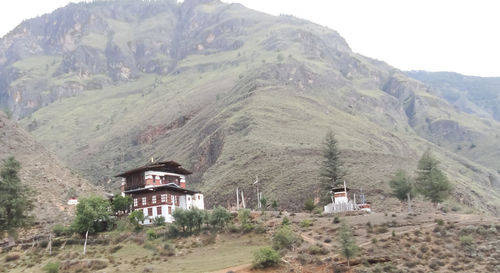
(15, 200)
(402, 187)
(431, 181)
(331, 171)
(348, 247)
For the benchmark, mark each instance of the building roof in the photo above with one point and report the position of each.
(340, 189)
(164, 166)
(169, 186)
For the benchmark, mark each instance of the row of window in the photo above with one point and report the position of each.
(163, 198)
(158, 211)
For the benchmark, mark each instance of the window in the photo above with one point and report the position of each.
(189, 198)
(163, 198)
(153, 199)
(150, 211)
(198, 197)
(173, 198)
(169, 210)
(135, 202)
(144, 201)
(158, 211)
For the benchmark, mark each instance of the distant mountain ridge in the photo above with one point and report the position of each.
(232, 93)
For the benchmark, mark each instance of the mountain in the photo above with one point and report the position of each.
(52, 183)
(475, 95)
(232, 93)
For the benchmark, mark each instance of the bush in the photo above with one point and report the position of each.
(136, 217)
(285, 221)
(247, 227)
(259, 228)
(381, 229)
(173, 231)
(466, 241)
(219, 218)
(336, 220)
(309, 204)
(51, 267)
(306, 223)
(440, 222)
(243, 216)
(159, 221)
(284, 237)
(151, 234)
(266, 257)
(60, 230)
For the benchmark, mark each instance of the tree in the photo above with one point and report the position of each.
(121, 203)
(181, 218)
(15, 200)
(263, 202)
(348, 247)
(431, 182)
(309, 204)
(92, 215)
(331, 170)
(274, 205)
(220, 217)
(136, 217)
(402, 187)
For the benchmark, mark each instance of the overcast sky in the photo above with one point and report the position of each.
(434, 35)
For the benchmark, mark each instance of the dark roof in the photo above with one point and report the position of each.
(340, 189)
(164, 166)
(170, 186)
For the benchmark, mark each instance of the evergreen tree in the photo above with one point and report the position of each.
(331, 171)
(348, 247)
(402, 187)
(432, 183)
(15, 200)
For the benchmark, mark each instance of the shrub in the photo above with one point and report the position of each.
(243, 216)
(136, 217)
(309, 204)
(259, 228)
(306, 223)
(336, 220)
(440, 222)
(51, 267)
(220, 217)
(285, 221)
(151, 234)
(315, 250)
(60, 230)
(266, 257)
(381, 229)
(173, 231)
(466, 241)
(317, 211)
(284, 237)
(159, 221)
(247, 227)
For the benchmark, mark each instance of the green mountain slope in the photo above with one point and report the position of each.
(231, 93)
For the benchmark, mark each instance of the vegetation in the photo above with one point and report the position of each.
(219, 218)
(402, 187)
(121, 204)
(92, 215)
(432, 183)
(274, 205)
(266, 257)
(136, 217)
(348, 247)
(159, 221)
(15, 200)
(309, 204)
(285, 238)
(51, 267)
(331, 171)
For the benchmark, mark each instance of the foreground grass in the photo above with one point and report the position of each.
(190, 255)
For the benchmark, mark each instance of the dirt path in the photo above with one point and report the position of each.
(242, 268)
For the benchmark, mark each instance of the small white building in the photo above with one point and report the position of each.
(342, 203)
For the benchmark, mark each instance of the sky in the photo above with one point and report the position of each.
(434, 35)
